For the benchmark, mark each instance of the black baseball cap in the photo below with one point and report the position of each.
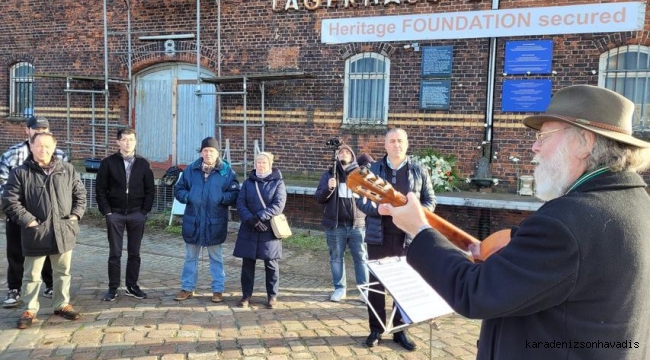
(38, 122)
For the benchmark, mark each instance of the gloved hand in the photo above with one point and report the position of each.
(259, 226)
(252, 221)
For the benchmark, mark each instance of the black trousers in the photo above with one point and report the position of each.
(272, 270)
(16, 259)
(393, 246)
(115, 224)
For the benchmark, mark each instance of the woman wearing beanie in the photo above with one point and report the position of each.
(262, 196)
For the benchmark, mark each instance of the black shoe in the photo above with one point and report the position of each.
(373, 339)
(401, 338)
(111, 295)
(134, 291)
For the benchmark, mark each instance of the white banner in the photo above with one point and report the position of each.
(574, 19)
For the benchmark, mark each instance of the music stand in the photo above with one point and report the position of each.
(412, 296)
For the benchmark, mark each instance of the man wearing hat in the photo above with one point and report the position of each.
(573, 283)
(13, 158)
(208, 186)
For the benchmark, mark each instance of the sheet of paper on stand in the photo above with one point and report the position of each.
(416, 300)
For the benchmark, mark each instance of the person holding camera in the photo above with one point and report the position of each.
(344, 223)
(262, 196)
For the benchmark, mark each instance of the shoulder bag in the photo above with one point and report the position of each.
(279, 223)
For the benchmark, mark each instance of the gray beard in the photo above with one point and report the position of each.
(552, 178)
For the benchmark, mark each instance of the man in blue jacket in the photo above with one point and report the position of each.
(344, 223)
(208, 186)
(125, 194)
(573, 281)
(384, 239)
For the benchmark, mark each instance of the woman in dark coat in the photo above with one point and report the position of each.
(255, 239)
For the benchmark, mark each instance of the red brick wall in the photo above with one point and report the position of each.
(66, 37)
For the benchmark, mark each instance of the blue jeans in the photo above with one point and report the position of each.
(337, 239)
(190, 274)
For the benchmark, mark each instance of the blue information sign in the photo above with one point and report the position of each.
(434, 94)
(528, 57)
(526, 95)
(437, 61)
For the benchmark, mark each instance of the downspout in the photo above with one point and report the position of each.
(489, 106)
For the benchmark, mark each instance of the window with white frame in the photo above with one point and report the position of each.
(367, 77)
(626, 70)
(21, 89)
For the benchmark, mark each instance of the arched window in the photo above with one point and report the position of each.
(21, 90)
(367, 77)
(626, 70)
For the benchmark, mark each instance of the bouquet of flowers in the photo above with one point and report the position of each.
(440, 167)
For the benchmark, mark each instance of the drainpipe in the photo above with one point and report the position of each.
(489, 106)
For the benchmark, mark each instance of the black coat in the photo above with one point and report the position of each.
(112, 194)
(574, 279)
(252, 244)
(30, 195)
(419, 183)
(332, 204)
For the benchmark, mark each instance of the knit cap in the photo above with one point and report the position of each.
(209, 142)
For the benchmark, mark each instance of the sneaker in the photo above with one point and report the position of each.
(68, 313)
(134, 291)
(244, 302)
(13, 299)
(26, 320)
(48, 292)
(272, 303)
(184, 295)
(338, 295)
(217, 297)
(111, 295)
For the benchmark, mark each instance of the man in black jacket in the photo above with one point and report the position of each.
(344, 224)
(573, 281)
(383, 238)
(125, 194)
(46, 198)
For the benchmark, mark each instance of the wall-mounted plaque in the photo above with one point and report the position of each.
(526, 95)
(437, 60)
(528, 57)
(434, 94)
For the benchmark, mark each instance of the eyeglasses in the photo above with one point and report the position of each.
(540, 136)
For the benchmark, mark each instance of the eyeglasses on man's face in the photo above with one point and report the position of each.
(542, 135)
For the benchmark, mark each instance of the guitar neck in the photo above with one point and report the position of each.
(456, 236)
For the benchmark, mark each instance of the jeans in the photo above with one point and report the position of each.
(115, 225)
(190, 274)
(337, 239)
(32, 280)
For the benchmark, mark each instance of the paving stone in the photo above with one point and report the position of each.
(306, 325)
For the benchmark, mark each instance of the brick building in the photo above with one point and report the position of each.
(448, 72)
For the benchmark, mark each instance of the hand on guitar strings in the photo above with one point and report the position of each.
(409, 217)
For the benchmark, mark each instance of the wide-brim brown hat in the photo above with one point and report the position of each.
(592, 108)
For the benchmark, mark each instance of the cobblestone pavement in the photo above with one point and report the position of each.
(305, 325)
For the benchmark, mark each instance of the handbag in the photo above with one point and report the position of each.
(279, 223)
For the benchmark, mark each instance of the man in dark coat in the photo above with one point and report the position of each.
(384, 239)
(207, 187)
(344, 223)
(47, 199)
(125, 194)
(573, 283)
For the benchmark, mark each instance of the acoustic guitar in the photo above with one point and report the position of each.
(363, 182)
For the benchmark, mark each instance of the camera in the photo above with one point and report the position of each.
(334, 143)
